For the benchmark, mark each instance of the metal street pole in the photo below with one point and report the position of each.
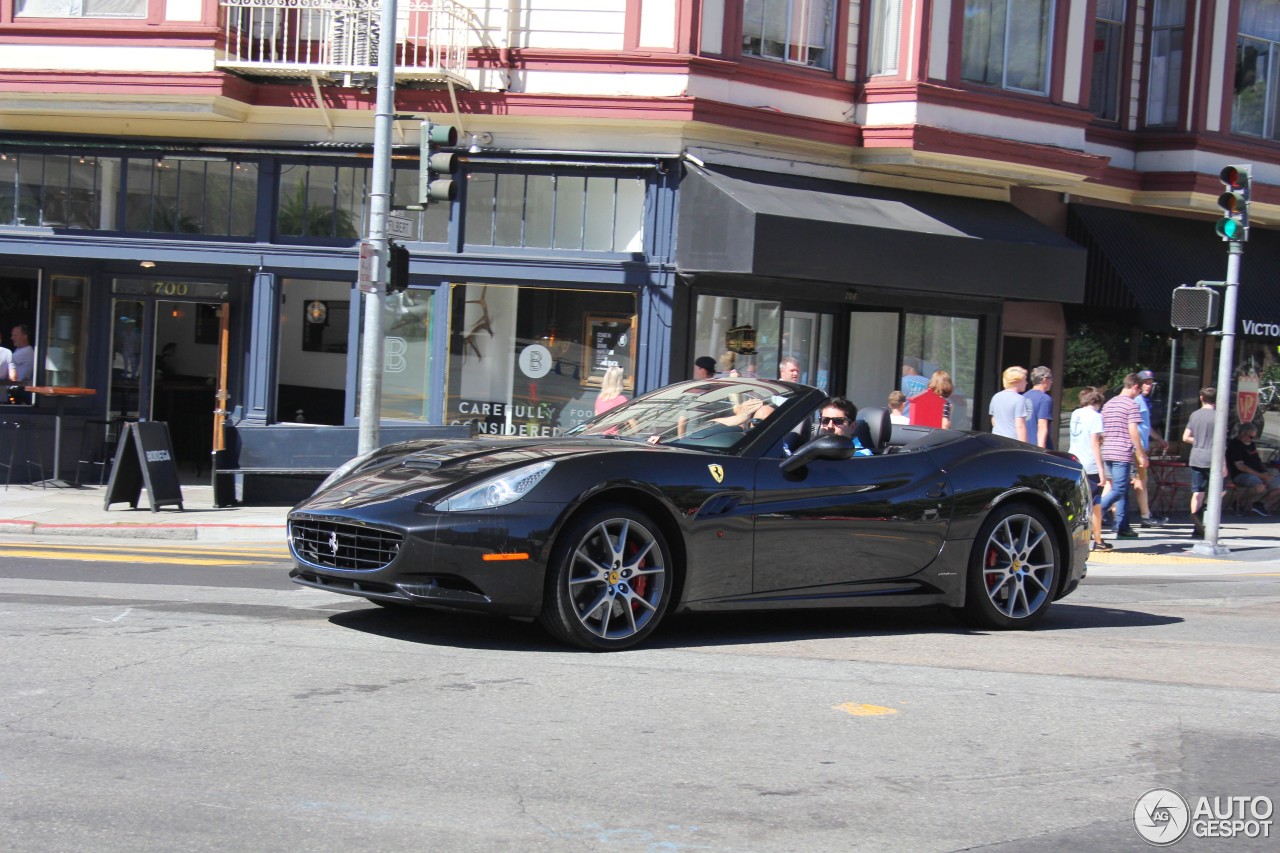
(1226, 367)
(379, 206)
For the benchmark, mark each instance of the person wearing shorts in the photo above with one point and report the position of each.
(1086, 447)
(1199, 434)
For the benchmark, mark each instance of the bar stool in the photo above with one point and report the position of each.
(15, 437)
(97, 449)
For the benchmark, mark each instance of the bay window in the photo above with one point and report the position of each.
(1006, 44)
(1256, 89)
(792, 31)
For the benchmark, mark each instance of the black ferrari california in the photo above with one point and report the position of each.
(706, 495)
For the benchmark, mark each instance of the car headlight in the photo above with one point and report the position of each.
(346, 468)
(497, 491)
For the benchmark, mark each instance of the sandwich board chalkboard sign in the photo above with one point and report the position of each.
(144, 457)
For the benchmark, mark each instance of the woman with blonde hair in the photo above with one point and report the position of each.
(611, 385)
(934, 409)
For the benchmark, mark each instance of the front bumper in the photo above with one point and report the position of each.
(481, 561)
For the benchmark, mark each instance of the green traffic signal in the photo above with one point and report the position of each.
(1230, 228)
(1234, 202)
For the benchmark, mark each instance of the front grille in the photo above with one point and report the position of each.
(339, 545)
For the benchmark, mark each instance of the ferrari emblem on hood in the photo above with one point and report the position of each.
(717, 473)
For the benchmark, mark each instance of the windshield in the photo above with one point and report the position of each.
(713, 414)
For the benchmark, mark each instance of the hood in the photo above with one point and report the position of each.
(427, 469)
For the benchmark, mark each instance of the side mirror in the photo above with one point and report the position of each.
(825, 447)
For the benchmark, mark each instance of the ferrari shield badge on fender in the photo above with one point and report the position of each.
(717, 473)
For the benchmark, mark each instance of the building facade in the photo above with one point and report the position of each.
(875, 189)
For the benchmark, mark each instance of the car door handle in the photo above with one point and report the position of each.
(938, 491)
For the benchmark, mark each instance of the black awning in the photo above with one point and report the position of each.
(744, 222)
(1137, 259)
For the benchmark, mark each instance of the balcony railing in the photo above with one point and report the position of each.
(337, 40)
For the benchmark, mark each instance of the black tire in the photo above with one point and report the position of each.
(609, 580)
(1014, 569)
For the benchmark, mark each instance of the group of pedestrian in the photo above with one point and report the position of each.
(1111, 438)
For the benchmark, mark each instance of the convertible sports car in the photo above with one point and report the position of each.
(706, 495)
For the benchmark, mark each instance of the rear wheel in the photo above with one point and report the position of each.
(609, 580)
(1013, 570)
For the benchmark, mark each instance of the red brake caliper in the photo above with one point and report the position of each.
(640, 584)
(992, 556)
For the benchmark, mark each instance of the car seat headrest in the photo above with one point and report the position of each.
(874, 429)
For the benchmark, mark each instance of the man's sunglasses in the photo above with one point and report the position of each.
(841, 421)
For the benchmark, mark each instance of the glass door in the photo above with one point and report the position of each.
(168, 341)
(184, 377)
(806, 339)
(127, 320)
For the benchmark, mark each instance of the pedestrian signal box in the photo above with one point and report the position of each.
(1195, 307)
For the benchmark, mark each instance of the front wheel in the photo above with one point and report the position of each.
(609, 580)
(1013, 570)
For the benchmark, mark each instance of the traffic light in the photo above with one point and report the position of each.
(1195, 307)
(397, 268)
(1234, 201)
(435, 171)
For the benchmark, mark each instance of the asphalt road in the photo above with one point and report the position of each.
(191, 699)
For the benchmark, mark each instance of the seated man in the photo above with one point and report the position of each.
(838, 416)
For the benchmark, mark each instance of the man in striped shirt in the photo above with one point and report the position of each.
(1121, 444)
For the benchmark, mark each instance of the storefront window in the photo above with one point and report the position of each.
(173, 195)
(406, 355)
(741, 334)
(315, 320)
(593, 213)
(59, 191)
(324, 202)
(931, 342)
(68, 312)
(19, 295)
(530, 361)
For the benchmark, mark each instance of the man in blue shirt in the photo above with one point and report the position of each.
(1040, 426)
(1140, 469)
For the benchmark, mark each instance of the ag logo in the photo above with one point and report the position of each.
(1161, 816)
(717, 473)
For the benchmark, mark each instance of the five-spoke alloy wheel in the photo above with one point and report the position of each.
(609, 580)
(1014, 569)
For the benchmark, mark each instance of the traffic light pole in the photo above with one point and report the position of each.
(1222, 408)
(379, 206)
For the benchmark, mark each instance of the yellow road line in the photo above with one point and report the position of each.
(179, 549)
(128, 558)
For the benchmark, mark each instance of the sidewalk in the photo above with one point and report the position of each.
(33, 511)
(1253, 543)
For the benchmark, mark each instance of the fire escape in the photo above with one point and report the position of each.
(336, 41)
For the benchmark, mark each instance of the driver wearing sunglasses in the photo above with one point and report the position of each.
(839, 416)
